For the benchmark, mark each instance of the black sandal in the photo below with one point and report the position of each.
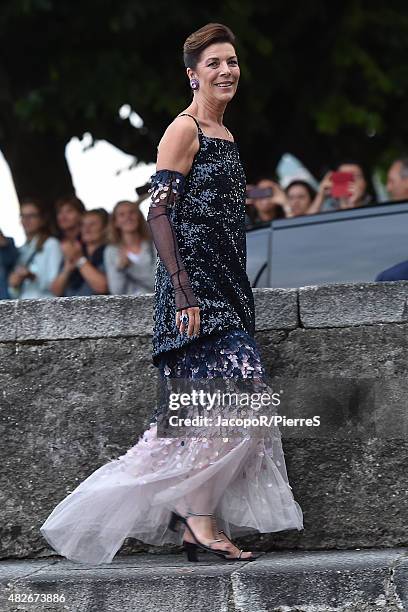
(191, 547)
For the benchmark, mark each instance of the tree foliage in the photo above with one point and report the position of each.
(321, 80)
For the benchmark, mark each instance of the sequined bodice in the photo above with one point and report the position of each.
(209, 223)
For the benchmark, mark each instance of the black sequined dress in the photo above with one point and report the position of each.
(209, 224)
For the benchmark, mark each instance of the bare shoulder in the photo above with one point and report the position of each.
(178, 145)
(183, 125)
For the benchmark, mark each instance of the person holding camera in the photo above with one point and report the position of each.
(271, 201)
(347, 187)
(268, 200)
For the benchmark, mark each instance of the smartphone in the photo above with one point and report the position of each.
(256, 192)
(341, 184)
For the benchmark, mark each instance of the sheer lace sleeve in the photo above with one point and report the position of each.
(166, 189)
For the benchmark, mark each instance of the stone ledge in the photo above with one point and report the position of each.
(8, 320)
(353, 580)
(84, 317)
(344, 305)
(334, 305)
(276, 309)
(109, 316)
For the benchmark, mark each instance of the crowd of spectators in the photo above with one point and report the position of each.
(90, 252)
(79, 252)
(348, 186)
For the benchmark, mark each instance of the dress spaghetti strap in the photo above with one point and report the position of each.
(200, 131)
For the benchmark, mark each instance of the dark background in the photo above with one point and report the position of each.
(322, 80)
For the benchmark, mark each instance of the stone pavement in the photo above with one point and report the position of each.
(370, 580)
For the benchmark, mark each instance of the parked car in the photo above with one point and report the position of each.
(331, 247)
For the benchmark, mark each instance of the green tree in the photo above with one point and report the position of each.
(322, 80)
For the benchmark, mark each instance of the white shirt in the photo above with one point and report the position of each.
(138, 277)
(45, 265)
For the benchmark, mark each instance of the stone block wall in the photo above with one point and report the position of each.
(77, 386)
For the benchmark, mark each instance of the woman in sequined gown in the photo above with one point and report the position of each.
(204, 325)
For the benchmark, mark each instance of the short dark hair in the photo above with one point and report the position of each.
(37, 202)
(45, 230)
(101, 213)
(72, 200)
(305, 184)
(350, 161)
(203, 38)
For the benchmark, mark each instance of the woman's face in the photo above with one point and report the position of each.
(31, 219)
(92, 229)
(298, 199)
(218, 72)
(68, 217)
(267, 204)
(127, 218)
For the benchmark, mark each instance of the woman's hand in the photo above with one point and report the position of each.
(72, 249)
(279, 196)
(123, 259)
(19, 275)
(353, 198)
(326, 185)
(324, 192)
(69, 265)
(193, 321)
